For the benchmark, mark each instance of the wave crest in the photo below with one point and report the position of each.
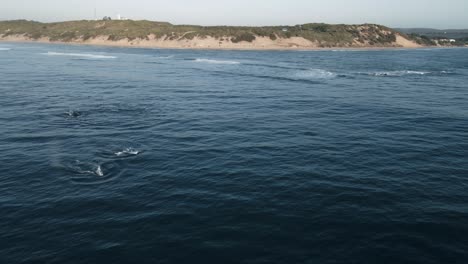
(397, 73)
(82, 55)
(85, 168)
(405, 73)
(165, 57)
(315, 74)
(217, 61)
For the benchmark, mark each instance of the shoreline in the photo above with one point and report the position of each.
(164, 35)
(120, 44)
(296, 44)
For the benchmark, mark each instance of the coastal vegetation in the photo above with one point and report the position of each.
(422, 39)
(324, 35)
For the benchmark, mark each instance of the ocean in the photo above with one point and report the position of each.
(120, 155)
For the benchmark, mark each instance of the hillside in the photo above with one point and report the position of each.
(437, 33)
(163, 34)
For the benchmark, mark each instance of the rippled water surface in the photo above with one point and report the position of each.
(113, 155)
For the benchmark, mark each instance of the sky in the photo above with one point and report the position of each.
(442, 14)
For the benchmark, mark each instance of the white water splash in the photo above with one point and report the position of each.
(397, 73)
(99, 171)
(127, 151)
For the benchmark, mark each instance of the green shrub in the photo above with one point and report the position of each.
(112, 38)
(422, 40)
(67, 36)
(190, 36)
(87, 36)
(248, 37)
(321, 28)
(385, 38)
(36, 35)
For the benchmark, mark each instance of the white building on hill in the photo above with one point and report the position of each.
(119, 17)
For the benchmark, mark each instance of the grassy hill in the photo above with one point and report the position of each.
(324, 35)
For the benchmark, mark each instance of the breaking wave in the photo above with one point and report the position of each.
(311, 76)
(315, 74)
(81, 55)
(127, 152)
(4, 49)
(85, 168)
(216, 61)
(404, 73)
(398, 73)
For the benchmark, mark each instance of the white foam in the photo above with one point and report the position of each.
(99, 171)
(127, 151)
(217, 61)
(83, 55)
(87, 168)
(4, 49)
(417, 72)
(165, 57)
(398, 73)
(315, 74)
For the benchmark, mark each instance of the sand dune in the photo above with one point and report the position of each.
(260, 43)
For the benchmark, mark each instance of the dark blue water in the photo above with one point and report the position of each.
(113, 155)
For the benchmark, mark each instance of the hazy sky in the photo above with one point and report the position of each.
(394, 13)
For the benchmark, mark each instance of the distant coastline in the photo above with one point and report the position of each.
(148, 34)
(199, 46)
